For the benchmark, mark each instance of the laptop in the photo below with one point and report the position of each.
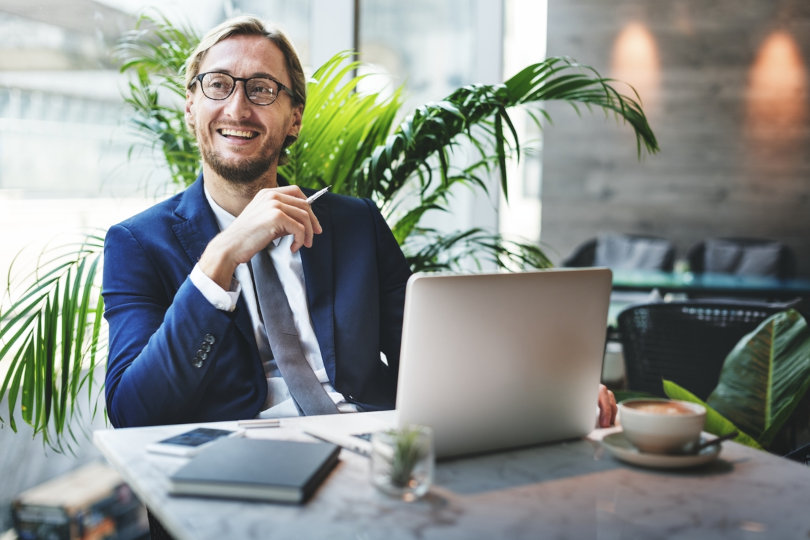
(499, 361)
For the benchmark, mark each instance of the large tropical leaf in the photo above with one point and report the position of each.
(715, 422)
(51, 340)
(765, 376)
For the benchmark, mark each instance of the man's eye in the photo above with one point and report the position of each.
(218, 82)
(262, 89)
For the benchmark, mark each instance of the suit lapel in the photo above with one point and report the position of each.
(195, 228)
(318, 262)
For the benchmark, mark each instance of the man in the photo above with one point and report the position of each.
(187, 340)
(177, 355)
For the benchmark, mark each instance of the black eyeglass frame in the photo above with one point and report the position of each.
(281, 86)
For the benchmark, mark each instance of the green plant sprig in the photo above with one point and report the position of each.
(408, 450)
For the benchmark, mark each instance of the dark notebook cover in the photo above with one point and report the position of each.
(262, 469)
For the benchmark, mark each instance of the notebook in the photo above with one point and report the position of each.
(497, 361)
(256, 469)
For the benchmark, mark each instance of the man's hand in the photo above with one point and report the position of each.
(271, 214)
(607, 407)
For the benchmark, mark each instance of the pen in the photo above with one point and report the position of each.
(260, 423)
(312, 198)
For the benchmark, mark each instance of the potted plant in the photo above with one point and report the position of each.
(52, 331)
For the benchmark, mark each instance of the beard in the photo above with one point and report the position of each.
(246, 171)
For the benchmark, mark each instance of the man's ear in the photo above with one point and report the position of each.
(190, 110)
(295, 126)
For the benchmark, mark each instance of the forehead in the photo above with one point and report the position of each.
(245, 56)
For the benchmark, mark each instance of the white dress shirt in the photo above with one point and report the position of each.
(291, 274)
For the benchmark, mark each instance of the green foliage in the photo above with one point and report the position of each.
(154, 52)
(763, 379)
(52, 341)
(407, 450)
(339, 128)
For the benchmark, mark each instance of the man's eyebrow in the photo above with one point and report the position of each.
(255, 74)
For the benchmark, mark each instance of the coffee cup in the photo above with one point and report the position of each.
(662, 426)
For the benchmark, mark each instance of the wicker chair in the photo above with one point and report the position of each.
(685, 342)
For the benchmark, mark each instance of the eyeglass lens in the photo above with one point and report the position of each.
(259, 90)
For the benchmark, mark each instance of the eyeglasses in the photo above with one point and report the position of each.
(259, 90)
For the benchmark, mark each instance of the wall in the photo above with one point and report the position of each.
(725, 86)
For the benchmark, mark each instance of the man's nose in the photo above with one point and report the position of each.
(237, 104)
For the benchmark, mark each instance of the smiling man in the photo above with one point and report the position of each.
(188, 340)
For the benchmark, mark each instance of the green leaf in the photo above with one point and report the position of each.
(51, 338)
(716, 423)
(765, 376)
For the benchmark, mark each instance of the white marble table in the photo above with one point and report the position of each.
(568, 490)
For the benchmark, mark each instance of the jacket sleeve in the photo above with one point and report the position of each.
(165, 339)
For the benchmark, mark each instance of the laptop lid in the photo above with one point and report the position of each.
(497, 361)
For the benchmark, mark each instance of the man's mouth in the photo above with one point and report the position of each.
(237, 133)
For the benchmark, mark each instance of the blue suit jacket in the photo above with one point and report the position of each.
(174, 358)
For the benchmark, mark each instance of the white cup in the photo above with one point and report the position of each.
(662, 426)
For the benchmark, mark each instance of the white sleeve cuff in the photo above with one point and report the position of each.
(219, 297)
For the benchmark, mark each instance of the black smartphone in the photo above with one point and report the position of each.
(190, 442)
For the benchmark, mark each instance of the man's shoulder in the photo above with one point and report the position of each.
(349, 202)
(160, 212)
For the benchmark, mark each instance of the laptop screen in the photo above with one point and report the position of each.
(495, 361)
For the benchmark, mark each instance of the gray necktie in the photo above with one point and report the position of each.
(277, 316)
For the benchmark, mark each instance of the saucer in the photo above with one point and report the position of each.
(618, 445)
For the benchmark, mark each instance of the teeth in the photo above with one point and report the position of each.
(238, 133)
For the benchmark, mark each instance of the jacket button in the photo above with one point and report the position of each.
(199, 359)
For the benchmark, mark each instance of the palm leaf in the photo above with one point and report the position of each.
(339, 128)
(475, 116)
(765, 376)
(51, 336)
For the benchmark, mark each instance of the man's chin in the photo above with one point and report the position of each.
(244, 172)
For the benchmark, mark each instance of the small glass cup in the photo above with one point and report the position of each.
(402, 461)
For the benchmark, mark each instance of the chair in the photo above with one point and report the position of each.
(630, 251)
(742, 256)
(685, 342)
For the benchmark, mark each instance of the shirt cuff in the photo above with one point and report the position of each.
(219, 297)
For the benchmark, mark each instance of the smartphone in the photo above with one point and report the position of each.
(191, 442)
